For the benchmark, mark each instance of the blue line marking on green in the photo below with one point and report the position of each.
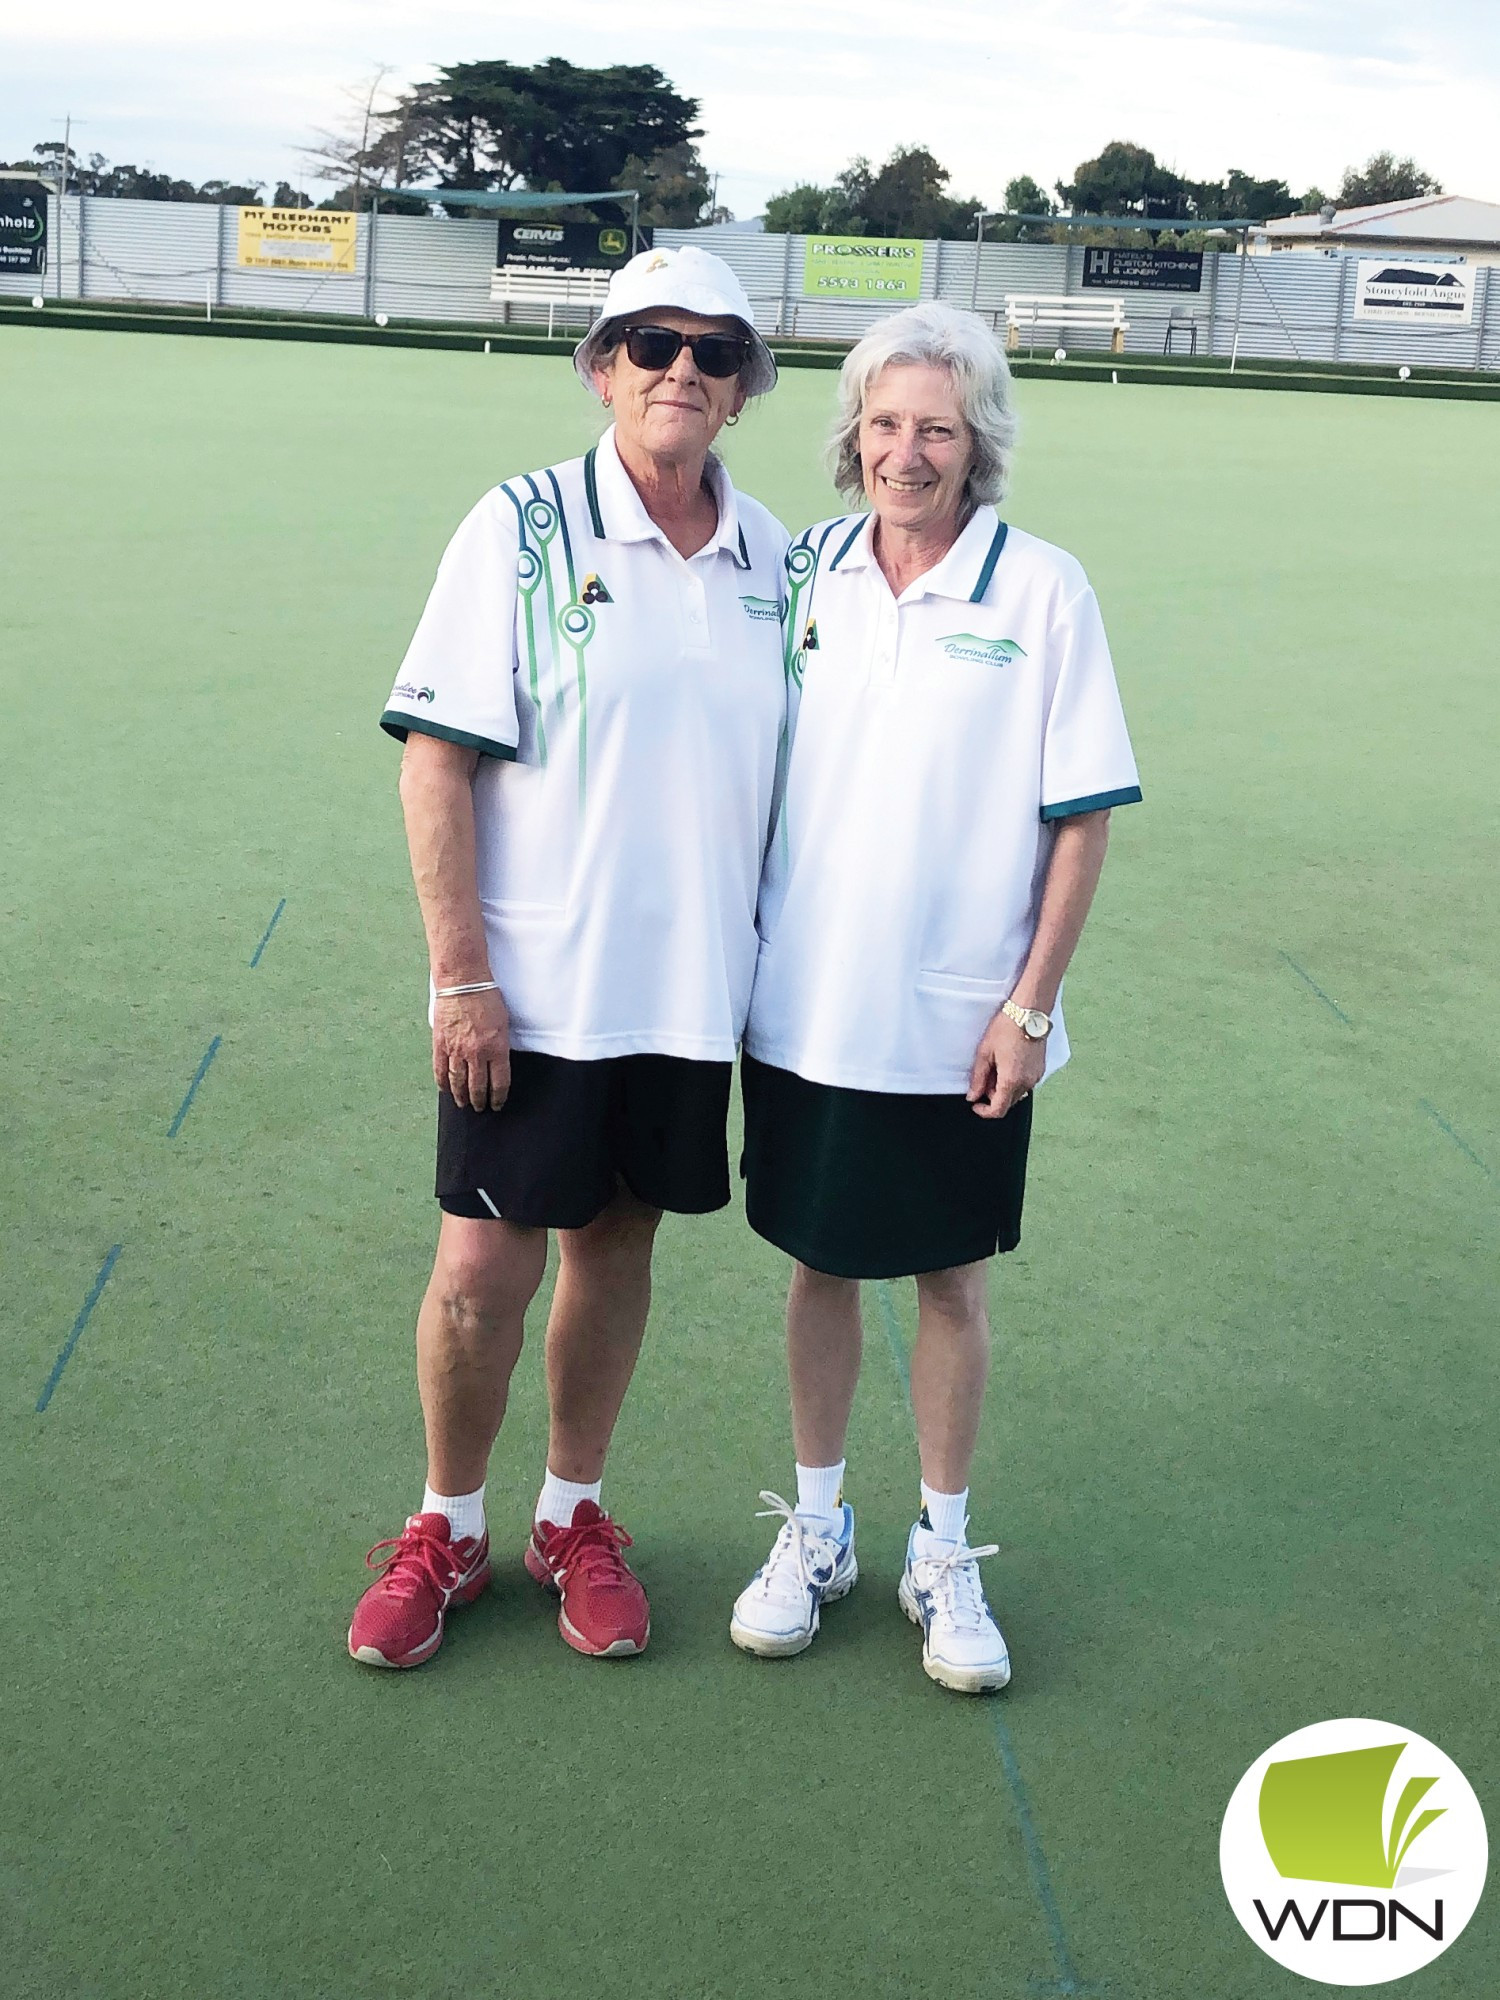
(1036, 1859)
(1067, 1980)
(192, 1090)
(275, 920)
(1307, 979)
(1462, 1144)
(78, 1325)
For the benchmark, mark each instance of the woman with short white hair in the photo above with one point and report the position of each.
(959, 745)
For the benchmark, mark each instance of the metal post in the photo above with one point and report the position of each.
(370, 258)
(1338, 311)
(82, 242)
(1482, 284)
(635, 223)
(786, 283)
(978, 246)
(63, 196)
(1213, 297)
(1239, 299)
(219, 257)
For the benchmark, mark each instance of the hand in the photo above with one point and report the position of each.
(1008, 1066)
(471, 1049)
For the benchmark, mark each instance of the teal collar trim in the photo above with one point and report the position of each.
(850, 539)
(976, 595)
(591, 492)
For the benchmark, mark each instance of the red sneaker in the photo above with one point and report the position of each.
(604, 1610)
(399, 1620)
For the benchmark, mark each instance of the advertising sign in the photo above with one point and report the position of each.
(23, 226)
(1401, 291)
(566, 246)
(884, 270)
(1144, 270)
(298, 239)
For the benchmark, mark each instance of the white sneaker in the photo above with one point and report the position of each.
(940, 1590)
(776, 1614)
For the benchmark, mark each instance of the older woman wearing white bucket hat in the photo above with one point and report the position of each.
(592, 709)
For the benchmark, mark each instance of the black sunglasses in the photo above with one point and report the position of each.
(657, 347)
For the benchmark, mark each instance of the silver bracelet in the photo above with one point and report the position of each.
(476, 986)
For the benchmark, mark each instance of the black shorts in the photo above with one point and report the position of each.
(872, 1184)
(554, 1154)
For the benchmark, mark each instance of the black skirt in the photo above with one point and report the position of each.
(875, 1184)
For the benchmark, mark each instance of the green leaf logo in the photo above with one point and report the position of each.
(1323, 1818)
(983, 652)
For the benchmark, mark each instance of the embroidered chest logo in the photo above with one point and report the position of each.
(764, 610)
(594, 591)
(810, 637)
(983, 652)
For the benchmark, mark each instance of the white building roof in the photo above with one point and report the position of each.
(1434, 218)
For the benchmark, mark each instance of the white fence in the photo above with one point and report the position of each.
(1293, 306)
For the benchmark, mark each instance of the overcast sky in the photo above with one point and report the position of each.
(790, 89)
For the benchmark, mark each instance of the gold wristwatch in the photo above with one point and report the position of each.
(1032, 1022)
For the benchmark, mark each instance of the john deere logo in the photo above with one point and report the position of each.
(593, 591)
(765, 609)
(1353, 1852)
(983, 652)
(613, 243)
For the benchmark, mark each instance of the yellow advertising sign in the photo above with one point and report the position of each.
(298, 239)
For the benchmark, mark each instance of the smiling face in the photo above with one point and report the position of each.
(915, 450)
(670, 414)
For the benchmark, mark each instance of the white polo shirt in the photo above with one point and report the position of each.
(630, 706)
(938, 739)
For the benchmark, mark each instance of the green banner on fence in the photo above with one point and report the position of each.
(863, 269)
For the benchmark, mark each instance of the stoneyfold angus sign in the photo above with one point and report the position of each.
(1144, 270)
(23, 226)
(566, 246)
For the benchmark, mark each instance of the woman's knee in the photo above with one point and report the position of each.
(959, 1293)
(486, 1270)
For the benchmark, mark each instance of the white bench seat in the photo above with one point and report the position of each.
(559, 291)
(1029, 310)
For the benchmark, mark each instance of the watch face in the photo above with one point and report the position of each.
(1036, 1024)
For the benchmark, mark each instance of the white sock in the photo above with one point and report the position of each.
(947, 1513)
(558, 1498)
(820, 1490)
(465, 1512)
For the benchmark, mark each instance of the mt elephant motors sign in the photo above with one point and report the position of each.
(23, 226)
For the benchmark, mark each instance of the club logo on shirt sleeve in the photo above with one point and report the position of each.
(409, 691)
(983, 652)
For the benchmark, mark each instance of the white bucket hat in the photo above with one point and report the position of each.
(693, 281)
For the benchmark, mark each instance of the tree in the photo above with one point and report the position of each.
(367, 151)
(1125, 179)
(906, 197)
(1024, 196)
(1384, 178)
(1312, 201)
(94, 175)
(674, 188)
(1239, 197)
(553, 125)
